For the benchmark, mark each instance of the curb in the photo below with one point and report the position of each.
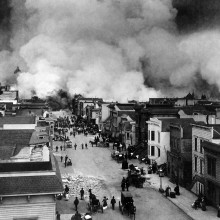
(170, 201)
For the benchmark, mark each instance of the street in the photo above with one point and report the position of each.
(97, 162)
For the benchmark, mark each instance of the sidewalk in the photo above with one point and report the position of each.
(184, 201)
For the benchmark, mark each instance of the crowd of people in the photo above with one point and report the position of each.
(71, 126)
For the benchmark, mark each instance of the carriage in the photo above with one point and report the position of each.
(119, 157)
(94, 204)
(126, 205)
(136, 176)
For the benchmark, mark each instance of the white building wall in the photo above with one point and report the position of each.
(164, 147)
(9, 100)
(18, 126)
(105, 112)
(44, 211)
(161, 143)
(199, 117)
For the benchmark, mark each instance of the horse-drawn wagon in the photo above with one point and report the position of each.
(94, 204)
(126, 205)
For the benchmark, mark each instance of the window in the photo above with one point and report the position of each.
(152, 135)
(195, 164)
(211, 163)
(127, 136)
(152, 151)
(195, 144)
(158, 137)
(148, 135)
(201, 166)
(158, 152)
(201, 150)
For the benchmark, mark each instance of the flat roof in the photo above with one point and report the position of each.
(17, 120)
(32, 185)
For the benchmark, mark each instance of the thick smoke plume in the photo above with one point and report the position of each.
(113, 49)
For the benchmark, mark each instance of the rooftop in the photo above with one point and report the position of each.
(211, 146)
(42, 183)
(185, 124)
(30, 111)
(10, 137)
(180, 121)
(8, 95)
(17, 120)
(125, 106)
(190, 110)
(216, 129)
(163, 111)
(131, 114)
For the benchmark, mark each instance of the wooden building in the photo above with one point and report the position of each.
(180, 155)
(212, 172)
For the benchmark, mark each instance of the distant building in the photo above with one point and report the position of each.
(82, 103)
(127, 126)
(105, 117)
(32, 107)
(18, 122)
(199, 113)
(144, 113)
(117, 110)
(8, 95)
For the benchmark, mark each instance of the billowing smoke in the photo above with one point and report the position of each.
(112, 49)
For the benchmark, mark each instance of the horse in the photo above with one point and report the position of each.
(93, 143)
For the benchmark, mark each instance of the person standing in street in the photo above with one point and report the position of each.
(75, 145)
(177, 190)
(82, 146)
(57, 215)
(218, 213)
(127, 184)
(123, 185)
(167, 191)
(66, 157)
(82, 193)
(76, 202)
(104, 202)
(86, 145)
(61, 147)
(113, 202)
(56, 148)
(61, 158)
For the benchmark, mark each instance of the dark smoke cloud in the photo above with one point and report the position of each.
(5, 27)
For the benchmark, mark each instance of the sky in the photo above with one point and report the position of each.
(114, 49)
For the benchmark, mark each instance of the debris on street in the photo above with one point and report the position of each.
(76, 182)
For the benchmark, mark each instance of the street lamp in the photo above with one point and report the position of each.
(161, 175)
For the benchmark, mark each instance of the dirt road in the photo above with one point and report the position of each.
(97, 162)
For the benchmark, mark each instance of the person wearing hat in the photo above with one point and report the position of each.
(105, 202)
(113, 202)
(76, 202)
(82, 193)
